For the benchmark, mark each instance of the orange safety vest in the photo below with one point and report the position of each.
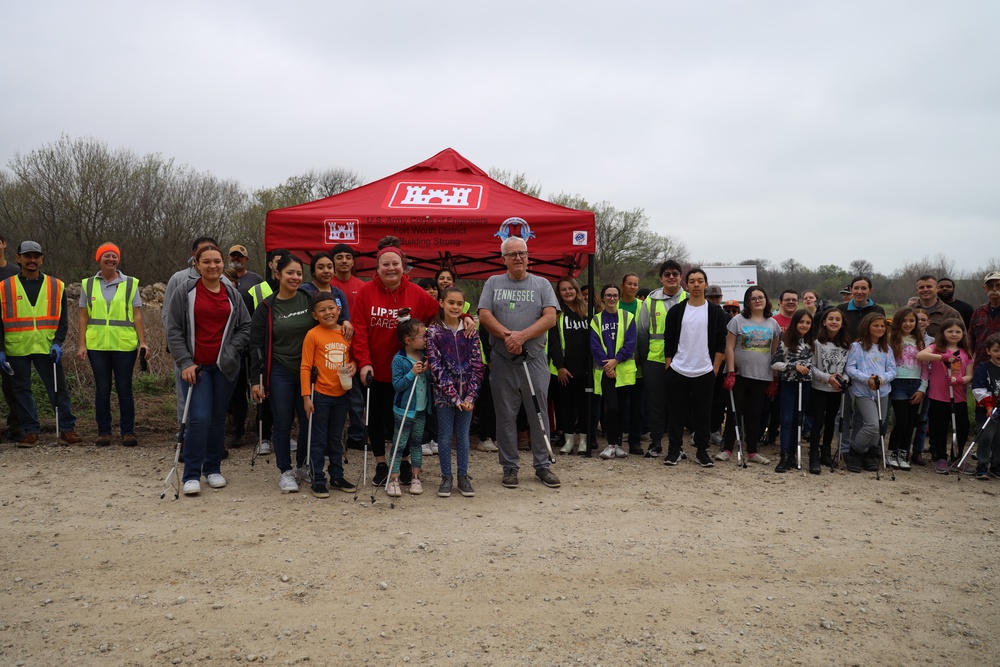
(30, 329)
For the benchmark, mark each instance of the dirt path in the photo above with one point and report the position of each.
(628, 563)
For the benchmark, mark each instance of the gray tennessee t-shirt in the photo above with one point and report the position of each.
(517, 304)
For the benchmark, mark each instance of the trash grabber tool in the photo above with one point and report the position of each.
(987, 432)
(364, 464)
(399, 436)
(741, 459)
(881, 433)
(172, 475)
(798, 436)
(538, 408)
(313, 374)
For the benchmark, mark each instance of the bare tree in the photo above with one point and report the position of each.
(518, 181)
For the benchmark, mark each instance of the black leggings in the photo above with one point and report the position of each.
(749, 395)
(939, 420)
(905, 415)
(824, 407)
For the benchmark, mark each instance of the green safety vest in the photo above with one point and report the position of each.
(562, 341)
(30, 329)
(112, 325)
(625, 371)
(259, 292)
(658, 315)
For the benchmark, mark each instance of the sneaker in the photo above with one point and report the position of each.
(287, 482)
(548, 478)
(636, 450)
(995, 473)
(871, 460)
(704, 459)
(405, 473)
(264, 448)
(620, 453)
(683, 455)
(128, 440)
(426, 449)
(716, 438)
(69, 438)
(28, 440)
(216, 480)
(894, 459)
(192, 487)
(381, 474)
(487, 445)
(509, 478)
(341, 484)
(416, 488)
(608, 453)
(917, 459)
(757, 457)
(672, 459)
(982, 473)
(392, 489)
(320, 491)
(654, 452)
(465, 487)
(303, 474)
(903, 459)
(434, 447)
(444, 489)
(724, 455)
(941, 466)
(103, 441)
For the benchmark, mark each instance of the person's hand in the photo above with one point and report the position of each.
(465, 406)
(366, 374)
(917, 398)
(307, 404)
(988, 402)
(515, 338)
(257, 393)
(835, 383)
(730, 381)
(55, 353)
(609, 364)
(873, 383)
(419, 367)
(347, 329)
(5, 365)
(190, 374)
(802, 370)
(470, 327)
(772, 389)
(81, 351)
(564, 376)
(351, 367)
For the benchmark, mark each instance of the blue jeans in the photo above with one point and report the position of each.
(327, 425)
(27, 410)
(107, 363)
(286, 403)
(452, 421)
(788, 395)
(206, 427)
(409, 440)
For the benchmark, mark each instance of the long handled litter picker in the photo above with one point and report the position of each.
(881, 434)
(364, 465)
(172, 476)
(987, 432)
(313, 374)
(538, 409)
(798, 436)
(741, 459)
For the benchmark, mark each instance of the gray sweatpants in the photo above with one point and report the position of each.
(510, 391)
(867, 436)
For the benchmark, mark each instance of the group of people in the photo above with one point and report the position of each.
(322, 351)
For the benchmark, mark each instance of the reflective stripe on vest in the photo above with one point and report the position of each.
(625, 371)
(30, 329)
(259, 292)
(112, 325)
(656, 352)
(562, 341)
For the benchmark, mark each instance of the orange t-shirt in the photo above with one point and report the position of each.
(327, 350)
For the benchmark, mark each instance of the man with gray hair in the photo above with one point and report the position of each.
(517, 309)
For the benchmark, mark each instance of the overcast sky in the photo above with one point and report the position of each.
(823, 131)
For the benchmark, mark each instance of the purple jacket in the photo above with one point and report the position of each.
(456, 364)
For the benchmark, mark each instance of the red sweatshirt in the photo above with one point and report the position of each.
(374, 318)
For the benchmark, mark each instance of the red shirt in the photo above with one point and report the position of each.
(211, 313)
(350, 289)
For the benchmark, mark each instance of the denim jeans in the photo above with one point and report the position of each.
(788, 395)
(206, 427)
(120, 365)
(286, 402)
(452, 421)
(409, 440)
(327, 426)
(27, 410)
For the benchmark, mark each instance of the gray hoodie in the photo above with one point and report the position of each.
(180, 329)
(642, 321)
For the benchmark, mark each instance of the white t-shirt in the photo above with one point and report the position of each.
(692, 358)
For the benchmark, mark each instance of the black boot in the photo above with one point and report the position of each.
(814, 464)
(852, 459)
(787, 461)
(826, 459)
(871, 459)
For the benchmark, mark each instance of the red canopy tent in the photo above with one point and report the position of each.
(448, 213)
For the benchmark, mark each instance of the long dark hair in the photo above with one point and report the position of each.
(791, 338)
(896, 331)
(865, 333)
(941, 344)
(746, 301)
(841, 339)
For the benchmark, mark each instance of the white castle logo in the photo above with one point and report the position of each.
(339, 231)
(416, 196)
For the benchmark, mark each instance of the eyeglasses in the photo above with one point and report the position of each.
(611, 296)
(516, 254)
(672, 274)
(993, 284)
(789, 300)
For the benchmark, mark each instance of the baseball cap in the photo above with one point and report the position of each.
(995, 275)
(731, 303)
(713, 290)
(846, 290)
(239, 250)
(29, 246)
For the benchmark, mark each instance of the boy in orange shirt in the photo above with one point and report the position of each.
(326, 349)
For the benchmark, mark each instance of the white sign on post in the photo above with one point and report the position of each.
(734, 280)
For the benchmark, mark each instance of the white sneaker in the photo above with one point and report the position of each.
(487, 445)
(303, 474)
(287, 482)
(567, 448)
(893, 461)
(716, 438)
(434, 447)
(192, 487)
(426, 449)
(902, 459)
(216, 481)
(724, 455)
(620, 453)
(608, 453)
(293, 444)
(757, 457)
(264, 448)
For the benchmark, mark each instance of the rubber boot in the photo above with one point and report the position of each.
(567, 448)
(786, 461)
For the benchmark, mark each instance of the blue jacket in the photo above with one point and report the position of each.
(402, 381)
(862, 364)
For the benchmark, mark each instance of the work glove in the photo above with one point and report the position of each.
(55, 353)
(772, 389)
(5, 365)
(730, 381)
(988, 402)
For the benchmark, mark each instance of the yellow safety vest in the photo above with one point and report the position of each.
(259, 292)
(30, 329)
(112, 325)
(657, 323)
(625, 371)
(562, 341)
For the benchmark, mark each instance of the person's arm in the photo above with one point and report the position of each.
(140, 329)
(305, 372)
(63, 328)
(730, 352)
(628, 345)
(81, 345)
(475, 382)
(541, 325)
(177, 328)
(642, 331)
